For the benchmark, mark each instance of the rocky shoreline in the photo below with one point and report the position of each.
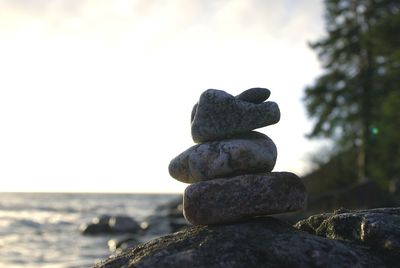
(364, 238)
(344, 238)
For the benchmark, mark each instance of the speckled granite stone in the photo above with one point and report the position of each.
(254, 95)
(248, 153)
(219, 115)
(234, 199)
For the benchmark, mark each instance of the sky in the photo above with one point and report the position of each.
(96, 96)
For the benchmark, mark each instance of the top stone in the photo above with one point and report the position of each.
(254, 95)
(218, 115)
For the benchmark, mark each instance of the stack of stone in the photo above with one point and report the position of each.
(230, 169)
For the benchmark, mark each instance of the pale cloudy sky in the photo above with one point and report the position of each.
(97, 95)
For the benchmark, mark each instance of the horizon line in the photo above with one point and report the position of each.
(83, 192)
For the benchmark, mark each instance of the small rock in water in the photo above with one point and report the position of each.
(242, 197)
(98, 225)
(219, 115)
(254, 95)
(248, 153)
(110, 224)
(118, 245)
(123, 224)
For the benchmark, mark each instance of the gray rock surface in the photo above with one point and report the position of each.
(254, 95)
(378, 229)
(262, 242)
(219, 115)
(249, 153)
(242, 197)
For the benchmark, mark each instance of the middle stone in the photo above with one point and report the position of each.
(248, 153)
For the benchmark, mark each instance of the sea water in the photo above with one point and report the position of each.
(42, 229)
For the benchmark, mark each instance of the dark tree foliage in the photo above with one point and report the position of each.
(356, 102)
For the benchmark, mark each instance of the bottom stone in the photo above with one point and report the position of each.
(233, 199)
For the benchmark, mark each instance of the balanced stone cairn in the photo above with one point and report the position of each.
(230, 167)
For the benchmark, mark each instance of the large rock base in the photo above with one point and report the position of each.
(262, 242)
(378, 229)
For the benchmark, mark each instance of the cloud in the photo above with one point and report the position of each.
(117, 17)
(40, 8)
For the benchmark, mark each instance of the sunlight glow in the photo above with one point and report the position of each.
(95, 96)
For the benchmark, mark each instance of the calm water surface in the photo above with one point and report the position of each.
(41, 230)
